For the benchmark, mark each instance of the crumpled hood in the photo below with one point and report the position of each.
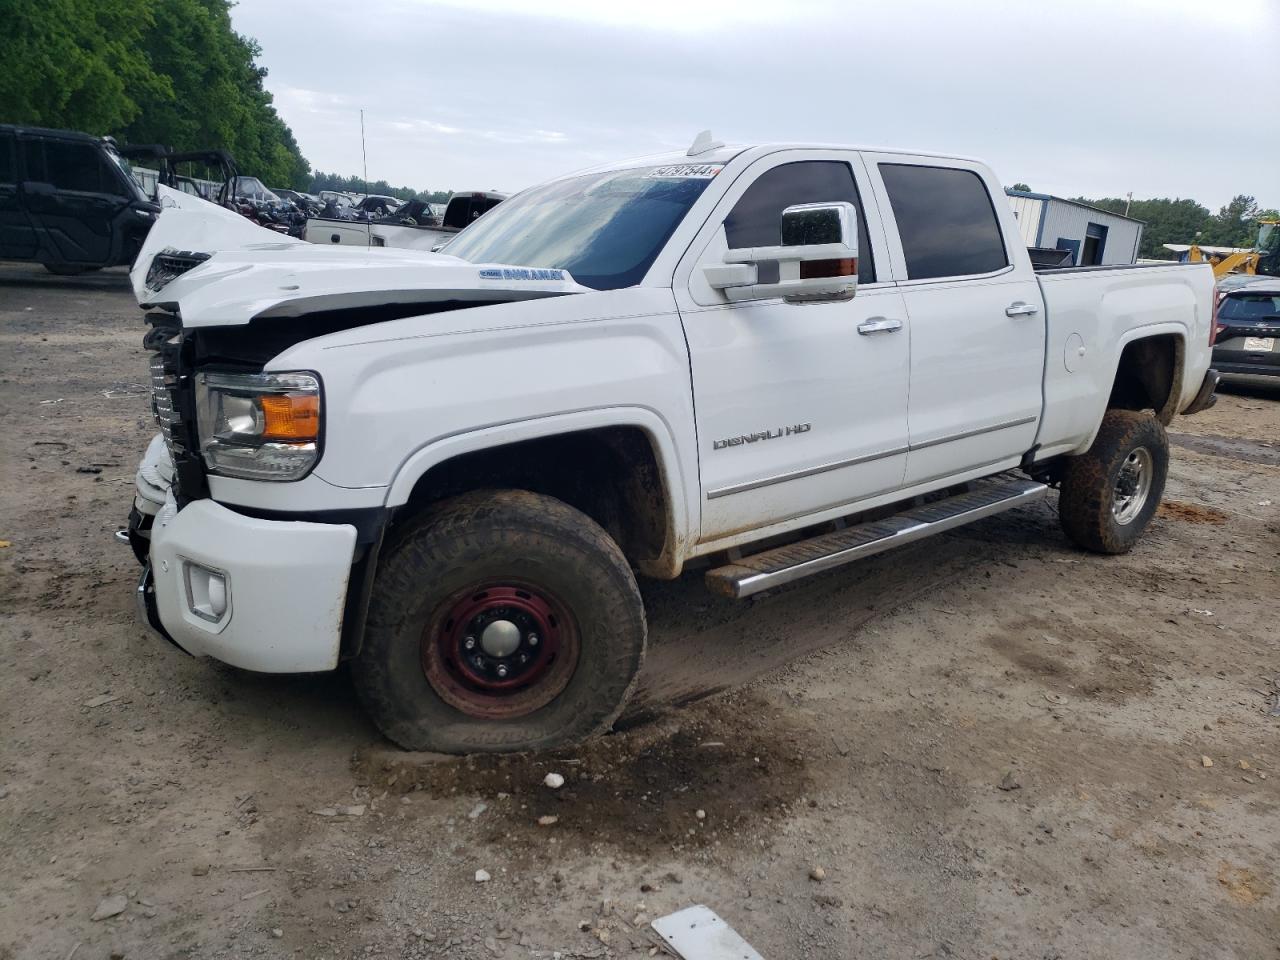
(254, 272)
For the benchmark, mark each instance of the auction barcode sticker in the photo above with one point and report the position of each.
(685, 171)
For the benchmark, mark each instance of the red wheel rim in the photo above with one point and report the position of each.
(497, 651)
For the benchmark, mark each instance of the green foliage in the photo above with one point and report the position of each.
(75, 63)
(1185, 221)
(147, 71)
(333, 181)
(1021, 187)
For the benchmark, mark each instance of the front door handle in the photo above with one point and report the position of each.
(879, 325)
(1020, 309)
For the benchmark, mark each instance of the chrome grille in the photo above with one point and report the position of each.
(162, 401)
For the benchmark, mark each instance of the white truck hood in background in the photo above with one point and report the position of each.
(254, 272)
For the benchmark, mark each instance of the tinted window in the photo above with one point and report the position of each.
(756, 219)
(945, 219)
(33, 157)
(462, 210)
(7, 173)
(1255, 306)
(78, 166)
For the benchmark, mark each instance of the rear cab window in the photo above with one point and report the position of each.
(945, 220)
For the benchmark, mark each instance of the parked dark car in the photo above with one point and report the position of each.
(1247, 342)
(68, 200)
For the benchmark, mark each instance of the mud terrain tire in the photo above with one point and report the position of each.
(1096, 506)
(435, 591)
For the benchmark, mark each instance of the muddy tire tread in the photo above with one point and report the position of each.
(510, 523)
(1084, 504)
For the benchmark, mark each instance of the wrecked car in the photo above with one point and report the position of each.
(448, 470)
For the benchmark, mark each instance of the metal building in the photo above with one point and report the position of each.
(1093, 236)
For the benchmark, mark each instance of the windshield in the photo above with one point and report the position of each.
(604, 228)
(252, 188)
(135, 177)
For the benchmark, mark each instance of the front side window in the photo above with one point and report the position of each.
(606, 229)
(756, 219)
(945, 219)
(78, 167)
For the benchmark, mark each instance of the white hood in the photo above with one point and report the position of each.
(254, 272)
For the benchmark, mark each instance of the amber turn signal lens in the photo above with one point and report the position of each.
(817, 269)
(291, 417)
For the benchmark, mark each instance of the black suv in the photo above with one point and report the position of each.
(69, 201)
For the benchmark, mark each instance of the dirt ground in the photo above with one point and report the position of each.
(993, 745)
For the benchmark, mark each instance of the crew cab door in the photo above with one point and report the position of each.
(798, 411)
(74, 196)
(977, 322)
(17, 238)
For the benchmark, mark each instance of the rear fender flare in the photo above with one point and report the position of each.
(1132, 336)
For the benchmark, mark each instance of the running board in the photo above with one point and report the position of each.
(772, 568)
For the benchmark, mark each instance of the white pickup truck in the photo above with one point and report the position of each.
(411, 226)
(770, 360)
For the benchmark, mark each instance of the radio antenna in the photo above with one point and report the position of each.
(364, 155)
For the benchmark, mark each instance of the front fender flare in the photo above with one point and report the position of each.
(680, 530)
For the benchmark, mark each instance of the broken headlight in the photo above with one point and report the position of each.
(259, 426)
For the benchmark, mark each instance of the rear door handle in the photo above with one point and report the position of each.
(1020, 309)
(878, 325)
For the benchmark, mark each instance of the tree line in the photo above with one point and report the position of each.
(146, 71)
(1184, 220)
(333, 181)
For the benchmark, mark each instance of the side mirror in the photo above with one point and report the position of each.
(817, 258)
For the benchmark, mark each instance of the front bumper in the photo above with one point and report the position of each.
(1205, 397)
(284, 581)
(283, 587)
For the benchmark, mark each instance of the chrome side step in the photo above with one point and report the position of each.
(772, 568)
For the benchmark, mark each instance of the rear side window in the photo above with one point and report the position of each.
(756, 219)
(945, 219)
(78, 167)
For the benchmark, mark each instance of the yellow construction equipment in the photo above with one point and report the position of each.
(1248, 262)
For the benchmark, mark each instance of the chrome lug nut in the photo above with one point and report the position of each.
(502, 670)
(533, 639)
(469, 643)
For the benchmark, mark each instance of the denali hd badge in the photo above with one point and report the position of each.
(765, 435)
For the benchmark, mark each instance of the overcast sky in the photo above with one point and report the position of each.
(1074, 97)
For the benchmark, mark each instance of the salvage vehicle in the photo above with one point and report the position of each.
(449, 469)
(1246, 345)
(407, 227)
(68, 201)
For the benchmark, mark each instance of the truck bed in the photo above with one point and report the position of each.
(1091, 313)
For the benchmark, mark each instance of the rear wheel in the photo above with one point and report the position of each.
(1110, 493)
(500, 621)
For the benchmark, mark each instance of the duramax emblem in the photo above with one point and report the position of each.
(763, 435)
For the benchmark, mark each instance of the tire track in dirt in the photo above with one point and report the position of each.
(1250, 451)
